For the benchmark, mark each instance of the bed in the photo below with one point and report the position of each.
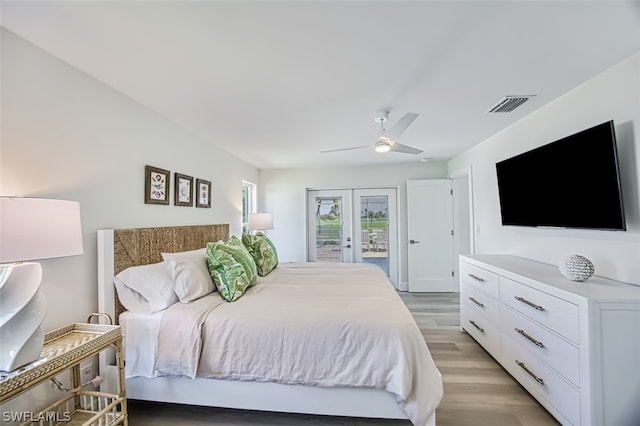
(307, 338)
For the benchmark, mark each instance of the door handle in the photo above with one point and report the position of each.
(347, 246)
(413, 242)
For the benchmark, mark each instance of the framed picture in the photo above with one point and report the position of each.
(156, 185)
(183, 191)
(203, 193)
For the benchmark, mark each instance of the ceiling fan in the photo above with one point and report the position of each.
(387, 140)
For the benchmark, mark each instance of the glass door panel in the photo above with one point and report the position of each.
(330, 226)
(374, 230)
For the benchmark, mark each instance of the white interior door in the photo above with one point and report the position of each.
(463, 235)
(330, 234)
(430, 231)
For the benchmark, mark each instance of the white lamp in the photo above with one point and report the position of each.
(260, 221)
(30, 229)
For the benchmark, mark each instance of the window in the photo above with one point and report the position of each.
(248, 202)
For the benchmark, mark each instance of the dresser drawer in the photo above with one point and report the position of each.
(556, 314)
(559, 354)
(479, 278)
(556, 394)
(480, 328)
(480, 303)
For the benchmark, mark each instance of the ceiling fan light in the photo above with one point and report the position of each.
(382, 146)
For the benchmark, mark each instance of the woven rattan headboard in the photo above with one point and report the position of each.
(143, 246)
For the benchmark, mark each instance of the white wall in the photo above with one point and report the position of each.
(66, 135)
(615, 94)
(282, 192)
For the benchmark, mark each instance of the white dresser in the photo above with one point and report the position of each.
(575, 346)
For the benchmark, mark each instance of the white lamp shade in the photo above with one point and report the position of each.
(39, 228)
(260, 221)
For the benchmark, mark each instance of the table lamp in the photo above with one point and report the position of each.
(260, 221)
(30, 229)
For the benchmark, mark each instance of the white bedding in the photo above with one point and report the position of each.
(140, 337)
(313, 324)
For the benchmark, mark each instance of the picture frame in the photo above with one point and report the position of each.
(183, 191)
(203, 193)
(157, 184)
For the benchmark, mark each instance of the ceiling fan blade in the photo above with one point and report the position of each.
(398, 147)
(345, 149)
(401, 125)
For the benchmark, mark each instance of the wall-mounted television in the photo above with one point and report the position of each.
(573, 182)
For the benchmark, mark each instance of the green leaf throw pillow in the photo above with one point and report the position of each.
(231, 267)
(263, 252)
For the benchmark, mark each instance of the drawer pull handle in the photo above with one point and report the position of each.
(524, 367)
(473, 323)
(533, 305)
(531, 339)
(476, 302)
(477, 278)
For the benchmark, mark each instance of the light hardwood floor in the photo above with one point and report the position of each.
(477, 391)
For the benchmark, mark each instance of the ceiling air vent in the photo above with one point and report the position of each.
(509, 103)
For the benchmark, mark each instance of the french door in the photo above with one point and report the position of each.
(329, 236)
(354, 225)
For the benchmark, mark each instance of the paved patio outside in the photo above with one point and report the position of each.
(333, 253)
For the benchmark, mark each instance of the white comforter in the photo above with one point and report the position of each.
(313, 324)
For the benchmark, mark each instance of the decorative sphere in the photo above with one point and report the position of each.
(576, 267)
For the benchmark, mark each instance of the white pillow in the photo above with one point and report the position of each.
(190, 274)
(191, 254)
(145, 289)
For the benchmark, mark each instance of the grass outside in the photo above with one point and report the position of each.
(329, 230)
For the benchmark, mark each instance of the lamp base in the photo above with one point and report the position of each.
(22, 311)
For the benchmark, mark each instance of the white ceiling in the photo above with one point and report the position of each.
(277, 82)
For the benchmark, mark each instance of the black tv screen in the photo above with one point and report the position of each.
(573, 182)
